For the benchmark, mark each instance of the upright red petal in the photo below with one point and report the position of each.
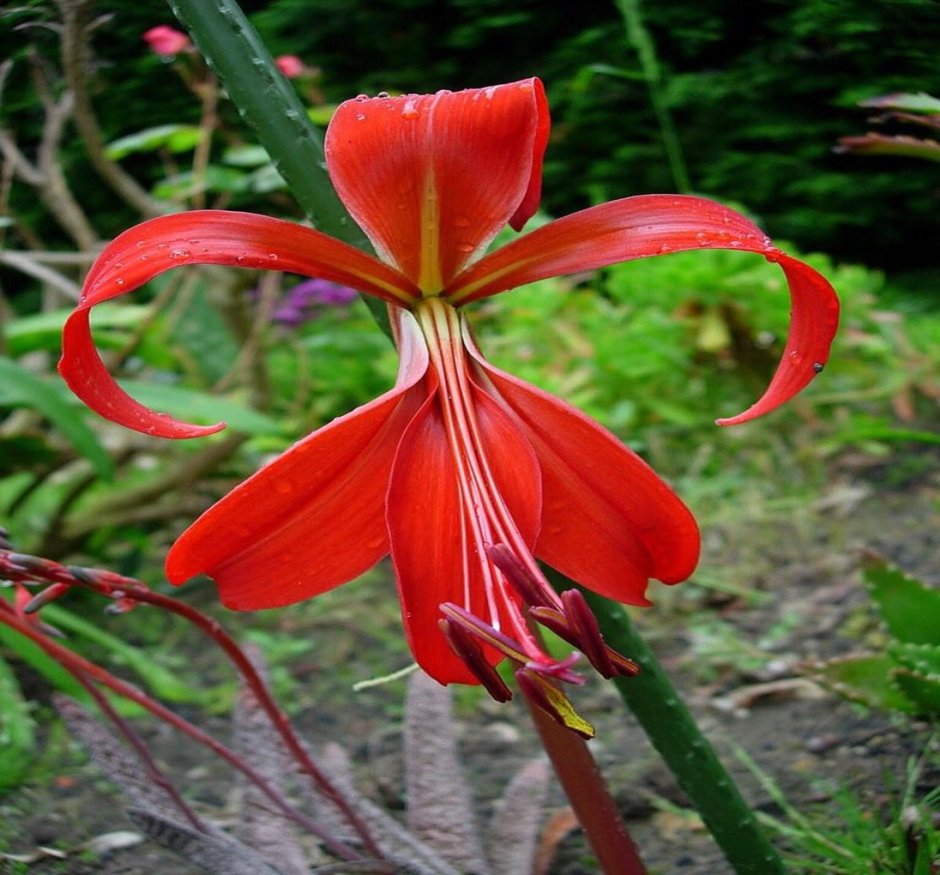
(608, 521)
(439, 538)
(648, 225)
(313, 518)
(432, 178)
(202, 237)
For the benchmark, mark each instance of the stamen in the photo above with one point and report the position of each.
(481, 629)
(532, 590)
(578, 626)
(545, 695)
(586, 630)
(468, 649)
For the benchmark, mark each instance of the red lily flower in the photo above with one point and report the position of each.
(465, 474)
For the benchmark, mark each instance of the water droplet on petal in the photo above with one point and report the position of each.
(360, 97)
(410, 111)
(179, 253)
(664, 249)
(119, 281)
(461, 222)
(272, 256)
(465, 247)
(360, 116)
(382, 94)
(795, 358)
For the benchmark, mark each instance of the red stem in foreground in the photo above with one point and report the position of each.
(118, 587)
(77, 665)
(589, 797)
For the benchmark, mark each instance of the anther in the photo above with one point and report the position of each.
(534, 592)
(542, 693)
(467, 648)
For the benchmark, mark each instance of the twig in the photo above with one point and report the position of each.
(45, 175)
(74, 41)
(27, 263)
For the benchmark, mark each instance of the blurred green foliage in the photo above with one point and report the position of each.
(760, 94)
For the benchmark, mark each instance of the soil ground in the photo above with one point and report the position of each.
(717, 646)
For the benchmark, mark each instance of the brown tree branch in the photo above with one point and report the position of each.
(74, 47)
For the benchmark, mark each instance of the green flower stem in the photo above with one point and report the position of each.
(642, 42)
(268, 102)
(691, 758)
(588, 795)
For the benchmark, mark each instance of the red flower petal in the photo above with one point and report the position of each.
(437, 546)
(608, 521)
(201, 237)
(648, 225)
(432, 178)
(313, 518)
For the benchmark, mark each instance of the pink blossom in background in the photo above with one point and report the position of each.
(290, 65)
(166, 41)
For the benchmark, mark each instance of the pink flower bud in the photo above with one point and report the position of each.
(166, 41)
(290, 65)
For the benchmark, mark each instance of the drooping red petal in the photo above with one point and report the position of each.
(608, 521)
(649, 225)
(202, 237)
(437, 548)
(313, 518)
(432, 178)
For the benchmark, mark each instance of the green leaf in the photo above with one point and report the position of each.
(866, 679)
(922, 689)
(923, 658)
(17, 741)
(909, 608)
(33, 655)
(175, 138)
(200, 407)
(920, 102)
(20, 388)
(163, 682)
(224, 180)
(43, 331)
(246, 156)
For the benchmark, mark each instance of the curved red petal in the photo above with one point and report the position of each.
(432, 178)
(814, 319)
(201, 237)
(608, 521)
(313, 518)
(649, 225)
(437, 544)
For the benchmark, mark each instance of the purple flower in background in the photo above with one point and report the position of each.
(304, 300)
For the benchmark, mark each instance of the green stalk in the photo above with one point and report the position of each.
(268, 102)
(670, 726)
(642, 42)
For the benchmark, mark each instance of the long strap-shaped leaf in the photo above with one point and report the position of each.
(268, 102)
